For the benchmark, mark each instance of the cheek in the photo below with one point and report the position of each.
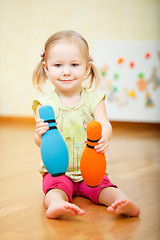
(81, 72)
(54, 72)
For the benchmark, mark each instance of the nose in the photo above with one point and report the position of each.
(66, 71)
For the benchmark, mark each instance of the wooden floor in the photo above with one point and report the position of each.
(133, 164)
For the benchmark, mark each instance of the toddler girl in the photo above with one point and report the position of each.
(66, 62)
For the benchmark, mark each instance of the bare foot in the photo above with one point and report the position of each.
(56, 210)
(125, 206)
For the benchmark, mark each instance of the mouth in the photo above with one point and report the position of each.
(66, 80)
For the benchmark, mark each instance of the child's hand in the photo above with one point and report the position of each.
(103, 145)
(41, 127)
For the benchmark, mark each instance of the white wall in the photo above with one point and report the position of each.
(26, 24)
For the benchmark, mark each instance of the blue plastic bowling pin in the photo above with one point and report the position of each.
(54, 151)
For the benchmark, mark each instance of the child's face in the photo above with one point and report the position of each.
(66, 66)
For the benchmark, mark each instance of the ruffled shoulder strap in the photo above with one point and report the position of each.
(51, 100)
(93, 98)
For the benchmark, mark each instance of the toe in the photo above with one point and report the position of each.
(81, 212)
(115, 204)
(110, 210)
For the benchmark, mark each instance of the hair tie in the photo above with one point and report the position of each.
(91, 58)
(42, 54)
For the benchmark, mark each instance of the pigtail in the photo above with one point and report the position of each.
(94, 77)
(39, 76)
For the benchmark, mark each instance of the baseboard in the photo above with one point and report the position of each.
(135, 125)
(115, 124)
(14, 120)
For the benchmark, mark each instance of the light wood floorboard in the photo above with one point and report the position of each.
(133, 164)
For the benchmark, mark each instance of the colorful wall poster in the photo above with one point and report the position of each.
(130, 76)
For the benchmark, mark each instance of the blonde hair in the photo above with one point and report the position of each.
(39, 75)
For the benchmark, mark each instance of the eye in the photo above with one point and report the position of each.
(58, 65)
(74, 64)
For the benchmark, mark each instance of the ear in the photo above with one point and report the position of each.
(88, 67)
(45, 67)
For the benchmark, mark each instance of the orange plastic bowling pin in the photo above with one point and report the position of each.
(93, 164)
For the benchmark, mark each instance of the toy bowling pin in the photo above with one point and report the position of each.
(93, 164)
(54, 151)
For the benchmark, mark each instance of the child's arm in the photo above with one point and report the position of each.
(100, 115)
(41, 127)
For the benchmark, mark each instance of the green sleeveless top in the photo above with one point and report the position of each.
(71, 123)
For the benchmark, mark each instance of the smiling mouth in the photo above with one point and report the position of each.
(67, 80)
